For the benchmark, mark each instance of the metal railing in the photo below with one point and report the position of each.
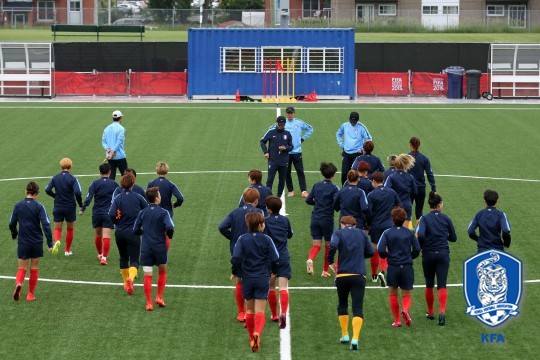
(365, 21)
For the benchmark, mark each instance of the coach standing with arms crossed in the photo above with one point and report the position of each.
(296, 127)
(113, 142)
(351, 137)
(279, 145)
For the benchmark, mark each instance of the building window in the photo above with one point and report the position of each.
(495, 10)
(430, 10)
(238, 60)
(289, 58)
(516, 16)
(450, 10)
(387, 10)
(325, 60)
(45, 10)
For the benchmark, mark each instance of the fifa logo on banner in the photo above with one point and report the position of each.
(492, 285)
(397, 84)
(438, 84)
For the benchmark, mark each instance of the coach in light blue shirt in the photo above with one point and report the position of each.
(351, 137)
(296, 127)
(113, 143)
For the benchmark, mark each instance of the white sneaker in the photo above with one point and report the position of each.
(309, 267)
(68, 253)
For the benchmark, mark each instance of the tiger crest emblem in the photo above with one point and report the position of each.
(492, 284)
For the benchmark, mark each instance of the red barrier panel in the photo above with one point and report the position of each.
(70, 83)
(429, 84)
(383, 84)
(170, 83)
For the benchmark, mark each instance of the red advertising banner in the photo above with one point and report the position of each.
(429, 84)
(170, 83)
(383, 84)
(70, 83)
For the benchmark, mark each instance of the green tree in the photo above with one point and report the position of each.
(241, 4)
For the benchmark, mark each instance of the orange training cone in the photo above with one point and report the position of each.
(237, 95)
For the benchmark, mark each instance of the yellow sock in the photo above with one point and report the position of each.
(416, 223)
(409, 225)
(125, 274)
(132, 272)
(344, 322)
(357, 322)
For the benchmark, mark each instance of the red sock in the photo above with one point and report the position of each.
(19, 278)
(69, 238)
(406, 301)
(429, 300)
(99, 244)
(250, 324)
(167, 243)
(383, 263)
(57, 234)
(394, 306)
(32, 282)
(443, 296)
(326, 250)
(239, 297)
(148, 288)
(162, 280)
(314, 251)
(284, 300)
(259, 322)
(106, 246)
(272, 301)
(375, 263)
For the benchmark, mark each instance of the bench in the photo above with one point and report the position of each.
(76, 30)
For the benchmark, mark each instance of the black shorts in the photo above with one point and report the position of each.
(375, 235)
(29, 251)
(64, 214)
(255, 288)
(284, 268)
(400, 276)
(102, 221)
(151, 258)
(321, 228)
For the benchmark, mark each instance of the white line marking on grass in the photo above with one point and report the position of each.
(197, 172)
(211, 287)
(285, 339)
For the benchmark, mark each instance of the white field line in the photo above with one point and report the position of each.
(246, 171)
(212, 287)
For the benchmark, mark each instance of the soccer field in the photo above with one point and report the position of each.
(82, 311)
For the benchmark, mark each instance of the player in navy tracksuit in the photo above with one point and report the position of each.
(279, 229)
(421, 166)
(123, 211)
(136, 188)
(364, 182)
(381, 202)
(492, 223)
(279, 145)
(255, 182)
(32, 218)
(322, 197)
(434, 231)
(67, 191)
(231, 228)
(353, 246)
(154, 224)
(167, 190)
(391, 165)
(400, 246)
(254, 258)
(101, 190)
(352, 201)
(404, 184)
(374, 162)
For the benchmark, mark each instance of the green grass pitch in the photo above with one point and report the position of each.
(213, 146)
